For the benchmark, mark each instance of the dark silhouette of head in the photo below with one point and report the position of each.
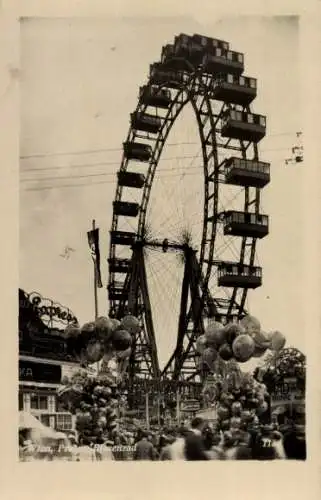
(198, 423)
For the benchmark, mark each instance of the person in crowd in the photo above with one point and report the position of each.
(216, 451)
(229, 445)
(194, 441)
(208, 436)
(28, 451)
(175, 450)
(274, 422)
(118, 449)
(144, 449)
(243, 449)
(103, 450)
(263, 447)
(294, 443)
(163, 440)
(277, 441)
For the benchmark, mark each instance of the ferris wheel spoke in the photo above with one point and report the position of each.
(227, 245)
(164, 295)
(185, 220)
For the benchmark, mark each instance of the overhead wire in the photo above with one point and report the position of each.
(115, 163)
(105, 150)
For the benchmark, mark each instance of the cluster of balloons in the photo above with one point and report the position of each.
(239, 341)
(94, 398)
(241, 403)
(94, 401)
(104, 337)
(289, 362)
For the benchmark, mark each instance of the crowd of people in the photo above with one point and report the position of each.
(200, 440)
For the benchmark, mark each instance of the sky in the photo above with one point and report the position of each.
(79, 83)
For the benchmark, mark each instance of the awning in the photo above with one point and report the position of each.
(28, 421)
(39, 385)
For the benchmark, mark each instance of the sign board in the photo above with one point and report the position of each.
(191, 408)
(288, 399)
(39, 372)
(51, 312)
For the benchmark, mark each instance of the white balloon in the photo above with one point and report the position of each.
(251, 325)
(131, 324)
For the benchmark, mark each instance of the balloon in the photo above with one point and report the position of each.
(215, 334)
(201, 344)
(71, 331)
(131, 324)
(225, 352)
(262, 343)
(121, 340)
(253, 403)
(102, 421)
(236, 408)
(104, 327)
(98, 390)
(209, 356)
(83, 419)
(262, 408)
(94, 351)
(115, 322)
(225, 425)
(106, 392)
(223, 412)
(246, 416)
(124, 354)
(113, 365)
(235, 422)
(277, 341)
(251, 325)
(229, 399)
(88, 330)
(231, 331)
(243, 347)
(259, 350)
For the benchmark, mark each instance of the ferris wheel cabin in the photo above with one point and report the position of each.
(187, 52)
(245, 224)
(117, 265)
(171, 60)
(126, 208)
(131, 179)
(145, 122)
(186, 48)
(243, 126)
(154, 96)
(234, 89)
(117, 292)
(159, 75)
(241, 172)
(137, 151)
(237, 275)
(209, 44)
(122, 238)
(223, 61)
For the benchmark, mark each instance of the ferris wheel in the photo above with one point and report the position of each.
(218, 261)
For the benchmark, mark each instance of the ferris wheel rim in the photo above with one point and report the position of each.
(152, 168)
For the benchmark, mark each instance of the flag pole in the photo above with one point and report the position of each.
(147, 409)
(178, 416)
(95, 279)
